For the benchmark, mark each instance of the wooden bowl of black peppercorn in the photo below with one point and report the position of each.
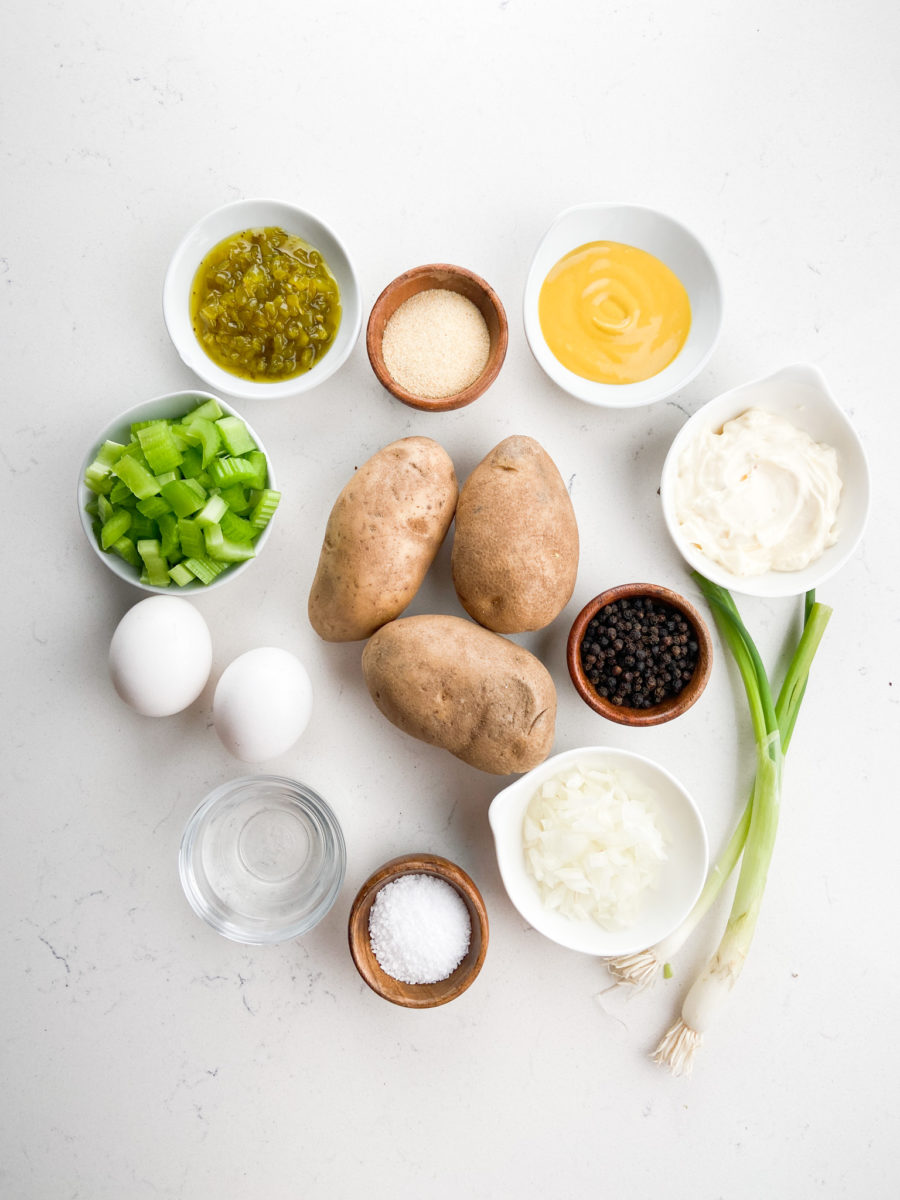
(639, 654)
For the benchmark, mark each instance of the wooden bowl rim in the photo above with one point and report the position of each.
(379, 317)
(658, 714)
(417, 995)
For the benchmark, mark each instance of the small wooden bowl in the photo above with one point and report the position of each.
(659, 713)
(418, 995)
(454, 279)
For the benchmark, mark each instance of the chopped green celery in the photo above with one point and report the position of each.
(208, 408)
(137, 426)
(228, 471)
(190, 535)
(105, 509)
(114, 528)
(133, 450)
(201, 431)
(158, 445)
(264, 509)
(181, 575)
(257, 460)
(167, 477)
(126, 550)
(142, 527)
(186, 496)
(235, 435)
(91, 508)
(191, 462)
(212, 511)
(238, 499)
(222, 549)
(109, 453)
(155, 565)
(170, 543)
(204, 569)
(136, 477)
(122, 494)
(235, 528)
(153, 506)
(98, 476)
(206, 480)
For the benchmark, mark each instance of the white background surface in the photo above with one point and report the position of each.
(144, 1056)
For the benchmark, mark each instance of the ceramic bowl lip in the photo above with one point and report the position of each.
(506, 814)
(383, 308)
(683, 368)
(824, 420)
(165, 405)
(226, 792)
(429, 995)
(668, 709)
(213, 228)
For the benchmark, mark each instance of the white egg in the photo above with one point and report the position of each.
(262, 704)
(160, 656)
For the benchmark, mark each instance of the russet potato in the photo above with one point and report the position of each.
(383, 533)
(455, 685)
(515, 548)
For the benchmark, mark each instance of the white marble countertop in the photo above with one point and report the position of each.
(142, 1054)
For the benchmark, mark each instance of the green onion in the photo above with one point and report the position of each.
(773, 726)
(642, 969)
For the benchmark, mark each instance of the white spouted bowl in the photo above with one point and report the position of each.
(800, 394)
(662, 909)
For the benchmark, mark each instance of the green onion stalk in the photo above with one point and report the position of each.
(642, 968)
(753, 838)
(772, 724)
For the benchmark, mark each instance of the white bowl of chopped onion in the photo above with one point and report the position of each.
(600, 850)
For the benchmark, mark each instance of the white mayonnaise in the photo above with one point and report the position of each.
(759, 496)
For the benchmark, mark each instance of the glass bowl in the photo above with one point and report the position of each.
(262, 859)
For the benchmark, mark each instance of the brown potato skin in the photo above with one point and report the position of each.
(515, 549)
(455, 685)
(383, 533)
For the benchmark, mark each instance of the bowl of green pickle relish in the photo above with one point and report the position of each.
(261, 300)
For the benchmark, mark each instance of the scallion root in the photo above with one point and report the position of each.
(639, 970)
(677, 1048)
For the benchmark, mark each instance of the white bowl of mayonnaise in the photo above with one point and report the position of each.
(765, 490)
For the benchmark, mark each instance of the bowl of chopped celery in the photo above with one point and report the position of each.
(177, 494)
(600, 849)
(261, 300)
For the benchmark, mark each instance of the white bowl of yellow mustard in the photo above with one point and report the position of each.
(623, 304)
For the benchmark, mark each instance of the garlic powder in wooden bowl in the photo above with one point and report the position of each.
(436, 343)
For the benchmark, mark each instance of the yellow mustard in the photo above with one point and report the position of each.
(613, 313)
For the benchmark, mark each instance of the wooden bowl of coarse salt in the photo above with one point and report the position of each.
(437, 337)
(417, 947)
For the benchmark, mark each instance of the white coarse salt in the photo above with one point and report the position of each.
(419, 929)
(436, 343)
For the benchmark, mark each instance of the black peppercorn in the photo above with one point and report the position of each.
(639, 652)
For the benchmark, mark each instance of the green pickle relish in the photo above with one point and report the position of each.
(264, 305)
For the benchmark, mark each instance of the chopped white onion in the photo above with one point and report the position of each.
(593, 845)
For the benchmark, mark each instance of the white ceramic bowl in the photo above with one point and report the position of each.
(214, 228)
(663, 909)
(800, 394)
(670, 242)
(174, 404)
